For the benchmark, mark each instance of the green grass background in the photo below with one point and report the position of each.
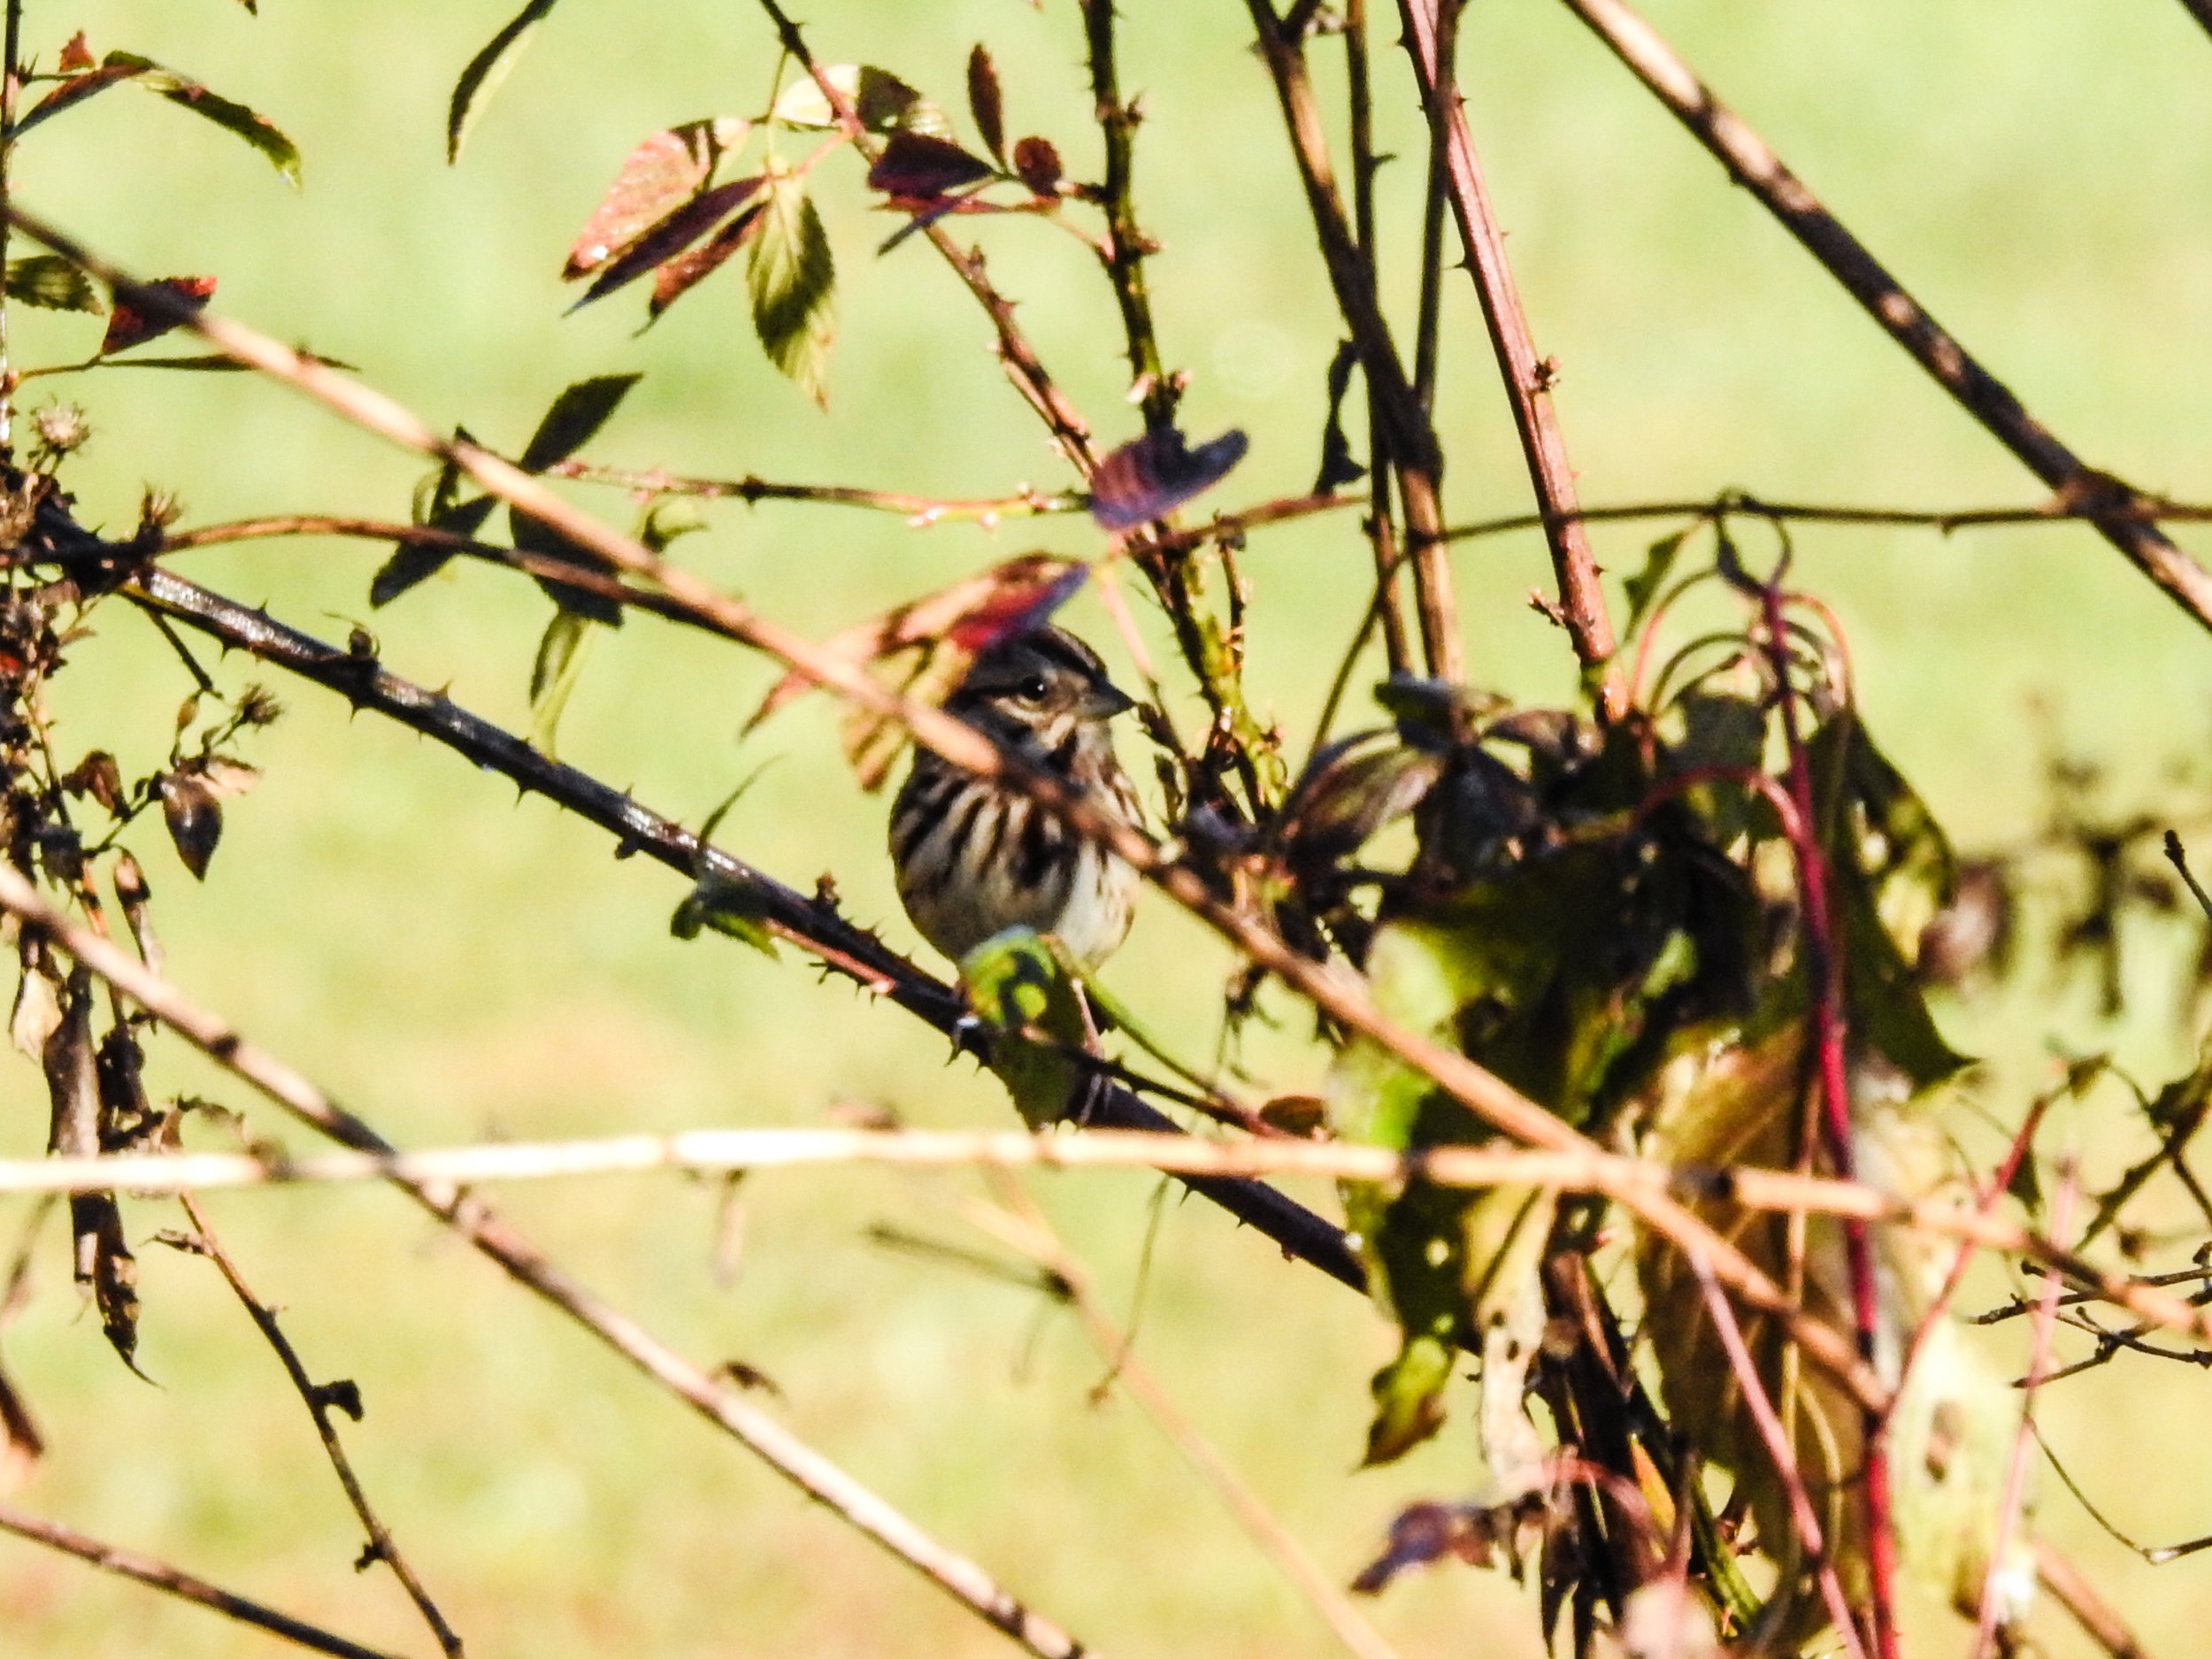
(456, 965)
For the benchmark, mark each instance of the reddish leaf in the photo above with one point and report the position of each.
(985, 103)
(133, 323)
(915, 167)
(75, 55)
(77, 88)
(656, 179)
(1025, 588)
(1151, 476)
(1037, 164)
(678, 276)
(670, 236)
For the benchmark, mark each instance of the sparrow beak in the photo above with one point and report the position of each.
(1104, 700)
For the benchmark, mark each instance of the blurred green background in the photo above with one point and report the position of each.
(454, 965)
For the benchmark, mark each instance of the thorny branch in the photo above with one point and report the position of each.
(812, 924)
(1527, 381)
(322, 1399)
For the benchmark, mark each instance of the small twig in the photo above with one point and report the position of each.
(11, 90)
(1126, 243)
(2009, 1504)
(1781, 1455)
(1752, 163)
(160, 1575)
(2071, 1591)
(2179, 859)
(320, 1399)
(1021, 1224)
(917, 509)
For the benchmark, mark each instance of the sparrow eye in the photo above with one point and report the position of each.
(1032, 689)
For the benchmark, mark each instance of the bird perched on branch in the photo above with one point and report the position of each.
(975, 856)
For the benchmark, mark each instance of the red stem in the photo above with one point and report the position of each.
(1828, 1027)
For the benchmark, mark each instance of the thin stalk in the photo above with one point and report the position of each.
(11, 89)
(1125, 244)
(1825, 970)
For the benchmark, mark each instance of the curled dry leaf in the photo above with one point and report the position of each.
(134, 321)
(195, 816)
(1023, 590)
(1149, 477)
(1037, 164)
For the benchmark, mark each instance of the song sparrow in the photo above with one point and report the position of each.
(972, 857)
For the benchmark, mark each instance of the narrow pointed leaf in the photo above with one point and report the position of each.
(672, 235)
(575, 418)
(233, 118)
(486, 70)
(985, 103)
(915, 167)
(679, 276)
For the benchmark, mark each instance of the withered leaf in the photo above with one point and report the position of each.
(134, 321)
(1149, 477)
(985, 103)
(915, 167)
(1037, 164)
(97, 776)
(672, 236)
(194, 817)
(656, 178)
(679, 276)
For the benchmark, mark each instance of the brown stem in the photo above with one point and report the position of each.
(2107, 502)
(319, 1402)
(1413, 450)
(1528, 381)
(1126, 243)
(1382, 527)
(160, 1575)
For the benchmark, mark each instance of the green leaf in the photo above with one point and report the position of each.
(668, 516)
(51, 283)
(1015, 982)
(726, 907)
(575, 418)
(553, 676)
(792, 279)
(884, 103)
(486, 70)
(531, 536)
(1643, 587)
(415, 562)
(186, 93)
(1408, 1399)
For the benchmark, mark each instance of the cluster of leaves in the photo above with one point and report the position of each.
(1608, 918)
